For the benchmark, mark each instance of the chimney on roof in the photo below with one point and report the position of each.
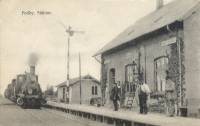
(159, 4)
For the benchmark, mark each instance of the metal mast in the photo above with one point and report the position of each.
(70, 33)
(80, 78)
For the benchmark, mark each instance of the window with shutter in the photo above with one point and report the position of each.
(95, 90)
(92, 90)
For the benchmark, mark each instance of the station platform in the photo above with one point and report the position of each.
(122, 117)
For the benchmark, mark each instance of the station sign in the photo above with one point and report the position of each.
(169, 41)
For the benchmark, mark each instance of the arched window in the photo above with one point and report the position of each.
(160, 67)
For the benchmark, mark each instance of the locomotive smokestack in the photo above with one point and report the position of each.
(33, 59)
(32, 70)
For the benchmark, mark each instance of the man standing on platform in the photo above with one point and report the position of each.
(115, 97)
(143, 93)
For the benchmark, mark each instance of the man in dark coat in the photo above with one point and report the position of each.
(115, 96)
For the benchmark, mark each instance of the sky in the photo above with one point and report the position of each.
(22, 34)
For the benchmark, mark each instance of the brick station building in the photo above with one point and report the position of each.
(166, 39)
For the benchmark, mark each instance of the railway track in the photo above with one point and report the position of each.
(13, 115)
(43, 115)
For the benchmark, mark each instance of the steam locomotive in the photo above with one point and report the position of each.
(25, 90)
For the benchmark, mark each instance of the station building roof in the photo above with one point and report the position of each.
(177, 10)
(77, 79)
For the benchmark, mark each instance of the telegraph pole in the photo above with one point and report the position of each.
(80, 78)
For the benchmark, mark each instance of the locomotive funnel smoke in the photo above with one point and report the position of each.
(33, 59)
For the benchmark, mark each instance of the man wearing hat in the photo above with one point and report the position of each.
(115, 96)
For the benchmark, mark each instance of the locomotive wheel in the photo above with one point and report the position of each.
(43, 102)
(20, 101)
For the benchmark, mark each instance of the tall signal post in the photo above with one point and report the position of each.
(70, 33)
